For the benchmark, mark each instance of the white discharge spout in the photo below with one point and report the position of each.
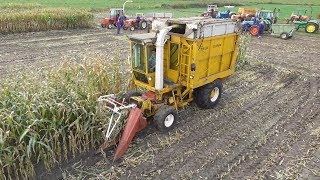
(159, 57)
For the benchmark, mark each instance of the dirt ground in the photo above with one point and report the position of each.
(265, 126)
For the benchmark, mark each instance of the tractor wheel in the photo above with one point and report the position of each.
(209, 95)
(231, 14)
(143, 24)
(165, 118)
(109, 26)
(254, 30)
(132, 28)
(311, 27)
(127, 96)
(103, 25)
(284, 35)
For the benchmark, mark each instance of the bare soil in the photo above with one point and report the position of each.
(263, 127)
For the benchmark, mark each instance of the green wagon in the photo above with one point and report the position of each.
(284, 31)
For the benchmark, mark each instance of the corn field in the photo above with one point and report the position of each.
(15, 19)
(244, 40)
(48, 117)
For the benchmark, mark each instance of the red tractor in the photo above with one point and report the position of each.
(110, 22)
(138, 23)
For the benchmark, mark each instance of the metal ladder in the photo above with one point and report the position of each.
(184, 65)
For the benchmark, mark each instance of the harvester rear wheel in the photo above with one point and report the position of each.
(127, 96)
(165, 118)
(103, 25)
(311, 27)
(254, 30)
(209, 95)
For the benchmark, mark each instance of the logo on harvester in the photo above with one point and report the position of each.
(216, 45)
(202, 48)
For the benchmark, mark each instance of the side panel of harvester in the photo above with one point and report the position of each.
(201, 60)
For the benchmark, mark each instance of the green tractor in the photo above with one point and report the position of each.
(311, 26)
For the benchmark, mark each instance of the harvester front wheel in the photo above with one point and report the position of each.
(209, 95)
(311, 27)
(127, 96)
(165, 118)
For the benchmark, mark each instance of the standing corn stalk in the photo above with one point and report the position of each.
(244, 41)
(49, 117)
(42, 19)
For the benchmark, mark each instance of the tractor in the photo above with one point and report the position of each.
(298, 17)
(268, 17)
(227, 13)
(137, 23)
(304, 22)
(185, 61)
(310, 26)
(110, 21)
(212, 11)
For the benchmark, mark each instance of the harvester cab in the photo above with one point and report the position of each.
(186, 60)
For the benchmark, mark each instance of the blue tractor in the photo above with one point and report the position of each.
(227, 13)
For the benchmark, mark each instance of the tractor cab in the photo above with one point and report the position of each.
(270, 17)
(115, 12)
(110, 22)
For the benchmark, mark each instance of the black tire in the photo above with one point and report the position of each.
(165, 118)
(316, 27)
(103, 25)
(284, 35)
(143, 24)
(203, 95)
(127, 96)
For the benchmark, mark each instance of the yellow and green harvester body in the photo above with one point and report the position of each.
(185, 60)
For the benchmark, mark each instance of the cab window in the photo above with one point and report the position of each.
(137, 57)
(151, 51)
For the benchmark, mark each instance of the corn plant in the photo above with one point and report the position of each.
(48, 117)
(244, 41)
(13, 19)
